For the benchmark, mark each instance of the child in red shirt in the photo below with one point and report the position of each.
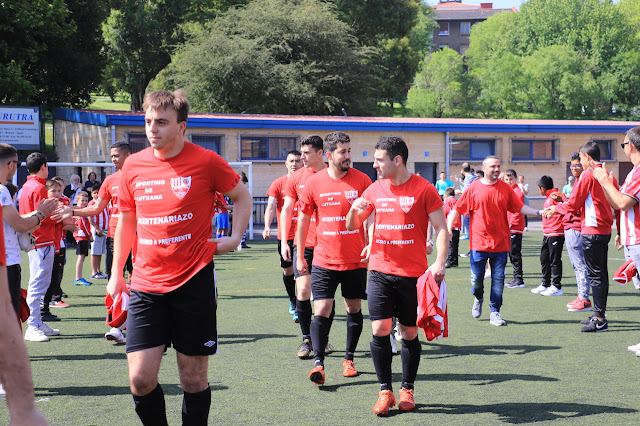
(552, 243)
(450, 204)
(83, 237)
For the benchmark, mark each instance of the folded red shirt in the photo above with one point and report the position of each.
(626, 272)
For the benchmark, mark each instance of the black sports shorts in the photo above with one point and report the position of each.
(391, 295)
(184, 318)
(285, 263)
(83, 247)
(308, 256)
(324, 283)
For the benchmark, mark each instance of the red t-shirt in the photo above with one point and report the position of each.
(276, 190)
(487, 206)
(173, 202)
(450, 204)
(109, 191)
(293, 189)
(553, 227)
(337, 248)
(83, 230)
(630, 219)
(516, 220)
(33, 191)
(399, 244)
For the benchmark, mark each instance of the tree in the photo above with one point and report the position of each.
(441, 86)
(274, 56)
(140, 37)
(50, 51)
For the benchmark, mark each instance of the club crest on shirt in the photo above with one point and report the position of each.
(351, 196)
(406, 203)
(180, 186)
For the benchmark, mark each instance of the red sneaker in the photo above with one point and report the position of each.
(581, 306)
(317, 375)
(59, 304)
(406, 400)
(577, 299)
(386, 401)
(348, 369)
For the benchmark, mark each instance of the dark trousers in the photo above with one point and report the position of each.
(452, 257)
(14, 276)
(551, 260)
(54, 293)
(596, 251)
(515, 256)
(109, 259)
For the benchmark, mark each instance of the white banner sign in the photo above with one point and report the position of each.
(20, 127)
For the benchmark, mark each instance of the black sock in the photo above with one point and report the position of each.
(354, 330)
(303, 309)
(381, 354)
(195, 407)
(150, 407)
(319, 337)
(410, 355)
(333, 314)
(290, 286)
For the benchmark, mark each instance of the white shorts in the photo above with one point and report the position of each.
(99, 245)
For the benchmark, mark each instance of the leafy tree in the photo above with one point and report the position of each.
(622, 84)
(140, 37)
(441, 87)
(502, 92)
(274, 56)
(50, 51)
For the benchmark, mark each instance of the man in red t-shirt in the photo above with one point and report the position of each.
(274, 208)
(487, 201)
(311, 148)
(404, 206)
(166, 198)
(588, 197)
(337, 257)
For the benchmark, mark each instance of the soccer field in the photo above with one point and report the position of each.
(538, 369)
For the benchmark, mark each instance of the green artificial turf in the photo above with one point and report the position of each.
(538, 369)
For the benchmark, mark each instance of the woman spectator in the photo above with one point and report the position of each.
(88, 185)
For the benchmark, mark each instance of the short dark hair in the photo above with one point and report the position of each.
(293, 152)
(165, 99)
(7, 151)
(545, 182)
(466, 167)
(315, 141)
(35, 161)
(94, 175)
(122, 146)
(394, 146)
(575, 156)
(511, 172)
(95, 188)
(11, 188)
(592, 150)
(332, 140)
(633, 135)
(450, 191)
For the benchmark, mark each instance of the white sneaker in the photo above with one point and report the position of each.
(634, 348)
(35, 334)
(3, 394)
(496, 319)
(47, 330)
(538, 289)
(552, 291)
(114, 335)
(476, 310)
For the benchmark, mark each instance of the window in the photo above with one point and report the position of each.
(138, 141)
(465, 28)
(533, 150)
(443, 46)
(211, 142)
(266, 147)
(444, 29)
(463, 48)
(605, 149)
(475, 149)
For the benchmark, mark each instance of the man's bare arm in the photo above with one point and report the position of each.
(439, 222)
(122, 243)
(269, 213)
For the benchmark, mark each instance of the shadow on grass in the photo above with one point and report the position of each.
(444, 351)
(484, 379)
(168, 389)
(80, 357)
(519, 413)
(250, 338)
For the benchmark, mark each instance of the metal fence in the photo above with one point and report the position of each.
(259, 206)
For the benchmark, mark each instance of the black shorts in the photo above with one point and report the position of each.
(324, 283)
(308, 256)
(285, 263)
(391, 295)
(83, 247)
(184, 318)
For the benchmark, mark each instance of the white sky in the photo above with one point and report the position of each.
(497, 4)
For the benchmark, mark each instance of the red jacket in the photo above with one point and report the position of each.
(32, 192)
(553, 227)
(516, 220)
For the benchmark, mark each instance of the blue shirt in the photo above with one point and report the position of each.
(566, 190)
(442, 186)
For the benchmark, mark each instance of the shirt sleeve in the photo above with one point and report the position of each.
(224, 177)
(125, 196)
(307, 204)
(515, 203)
(462, 205)
(5, 197)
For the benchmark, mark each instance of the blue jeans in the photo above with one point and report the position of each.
(497, 262)
(465, 225)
